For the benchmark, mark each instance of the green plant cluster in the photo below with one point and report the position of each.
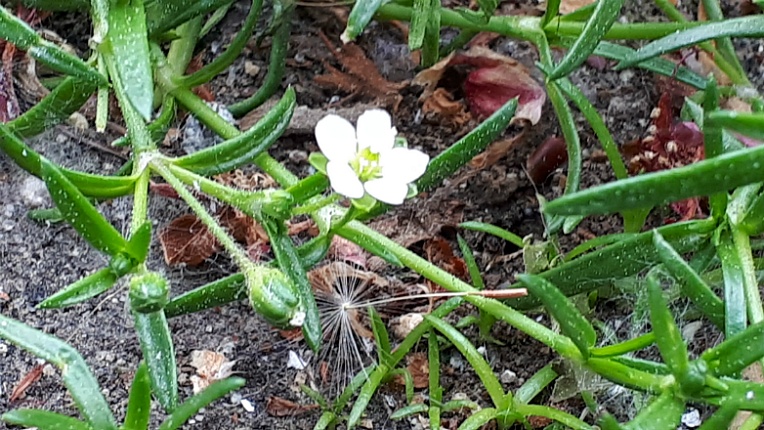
(140, 52)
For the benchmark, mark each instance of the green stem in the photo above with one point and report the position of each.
(524, 27)
(276, 64)
(313, 206)
(140, 138)
(732, 69)
(208, 186)
(233, 249)
(182, 49)
(560, 343)
(224, 129)
(750, 284)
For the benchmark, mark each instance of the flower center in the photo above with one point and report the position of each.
(366, 165)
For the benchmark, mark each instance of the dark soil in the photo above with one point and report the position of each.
(38, 259)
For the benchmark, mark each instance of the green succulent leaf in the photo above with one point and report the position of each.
(737, 352)
(164, 15)
(670, 342)
(139, 403)
(735, 310)
(43, 420)
(91, 185)
(706, 177)
(25, 38)
(191, 406)
(749, 26)
(619, 260)
(749, 124)
(81, 290)
(359, 18)
(572, 323)
(663, 413)
(381, 337)
(232, 52)
(692, 284)
(721, 418)
(604, 15)
(244, 148)
(128, 44)
(289, 261)
(148, 295)
(80, 213)
(139, 243)
(54, 108)
(478, 363)
(77, 377)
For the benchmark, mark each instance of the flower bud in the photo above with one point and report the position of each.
(273, 295)
(148, 292)
(121, 264)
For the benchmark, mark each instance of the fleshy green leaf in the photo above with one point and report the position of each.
(669, 341)
(749, 124)
(478, 363)
(359, 18)
(80, 213)
(139, 403)
(77, 377)
(81, 290)
(738, 352)
(245, 147)
(43, 420)
(572, 322)
(749, 26)
(622, 259)
(706, 177)
(665, 412)
(127, 42)
(604, 15)
(691, 283)
(191, 406)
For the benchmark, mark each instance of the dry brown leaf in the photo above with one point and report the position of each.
(280, 407)
(439, 252)
(442, 104)
(496, 151)
(210, 367)
(186, 240)
(25, 382)
(359, 76)
(418, 366)
(568, 6)
(341, 249)
(494, 80)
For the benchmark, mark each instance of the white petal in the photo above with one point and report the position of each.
(375, 131)
(343, 179)
(385, 190)
(403, 164)
(336, 138)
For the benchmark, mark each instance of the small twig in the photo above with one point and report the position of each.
(92, 143)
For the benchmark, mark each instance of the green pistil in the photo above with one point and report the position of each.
(366, 165)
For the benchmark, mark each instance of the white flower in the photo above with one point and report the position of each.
(365, 160)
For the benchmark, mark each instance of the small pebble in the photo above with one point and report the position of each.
(508, 377)
(691, 418)
(33, 192)
(247, 405)
(251, 68)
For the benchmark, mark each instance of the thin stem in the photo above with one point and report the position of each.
(507, 294)
(316, 205)
(732, 69)
(233, 249)
(525, 27)
(560, 343)
(750, 285)
(216, 123)
(206, 185)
